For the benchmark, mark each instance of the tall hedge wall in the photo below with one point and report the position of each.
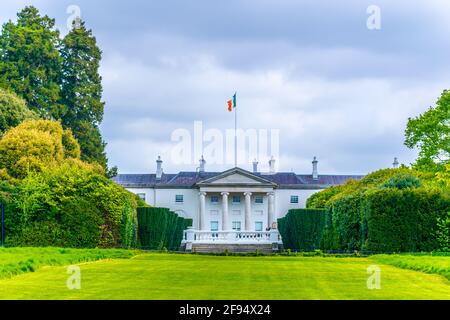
(404, 220)
(302, 229)
(389, 210)
(386, 220)
(160, 228)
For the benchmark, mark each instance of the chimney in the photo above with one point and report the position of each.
(255, 166)
(159, 170)
(395, 164)
(201, 168)
(272, 165)
(315, 174)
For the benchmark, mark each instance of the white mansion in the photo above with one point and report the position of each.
(235, 206)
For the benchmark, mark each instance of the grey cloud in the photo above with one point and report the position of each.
(313, 70)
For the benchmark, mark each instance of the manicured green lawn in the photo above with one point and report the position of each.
(174, 276)
(425, 263)
(14, 261)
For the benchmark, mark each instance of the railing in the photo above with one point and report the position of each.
(271, 236)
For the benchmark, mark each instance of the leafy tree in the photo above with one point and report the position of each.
(13, 111)
(443, 177)
(82, 91)
(30, 62)
(36, 144)
(430, 132)
(58, 79)
(81, 82)
(70, 204)
(91, 143)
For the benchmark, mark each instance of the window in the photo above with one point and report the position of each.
(141, 196)
(236, 226)
(214, 225)
(294, 199)
(236, 199)
(214, 199)
(258, 212)
(258, 226)
(179, 198)
(259, 199)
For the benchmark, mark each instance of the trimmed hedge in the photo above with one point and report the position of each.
(160, 228)
(302, 229)
(69, 206)
(404, 219)
(347, 227)
(386, 220)
(389, 210)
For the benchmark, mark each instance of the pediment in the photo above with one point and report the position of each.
(236, 176)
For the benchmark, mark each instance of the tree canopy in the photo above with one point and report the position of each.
(58, 78)
(30, 62)
(13, 110)
(34, 145)
(82, 91)
(430, 132)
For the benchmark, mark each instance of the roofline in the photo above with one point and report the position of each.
(240, 170)
(279, 187)
(258, 174)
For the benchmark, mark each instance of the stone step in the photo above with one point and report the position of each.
(218, 248)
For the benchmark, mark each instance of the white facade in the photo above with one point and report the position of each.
(231, 206)
(232, 200)
(214, 211)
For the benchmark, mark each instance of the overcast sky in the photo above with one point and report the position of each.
(311, 69)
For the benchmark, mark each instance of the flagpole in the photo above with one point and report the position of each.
(235, 134)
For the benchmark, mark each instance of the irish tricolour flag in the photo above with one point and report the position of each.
(232, 103)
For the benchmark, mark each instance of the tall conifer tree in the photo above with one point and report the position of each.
(30, 62)
(82, 91)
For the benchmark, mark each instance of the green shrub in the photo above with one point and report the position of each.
(388, 210)
(401, 220)
(403, 181)
(319, 200)
(347, 222)
(302, 229)
(443, 232)
(76, 206)
(160, 228)
(80, 221)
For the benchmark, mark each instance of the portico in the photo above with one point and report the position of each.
(227, 195)
(235, 207)
(236, 200)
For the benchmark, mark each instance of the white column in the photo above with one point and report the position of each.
(248, 210)
(202, 210)
(270, 209)
(225, 225)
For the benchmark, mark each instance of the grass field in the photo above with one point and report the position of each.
(14, 261)
(173, 276)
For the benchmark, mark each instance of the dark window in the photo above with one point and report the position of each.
(179, 198)
(294, 199)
